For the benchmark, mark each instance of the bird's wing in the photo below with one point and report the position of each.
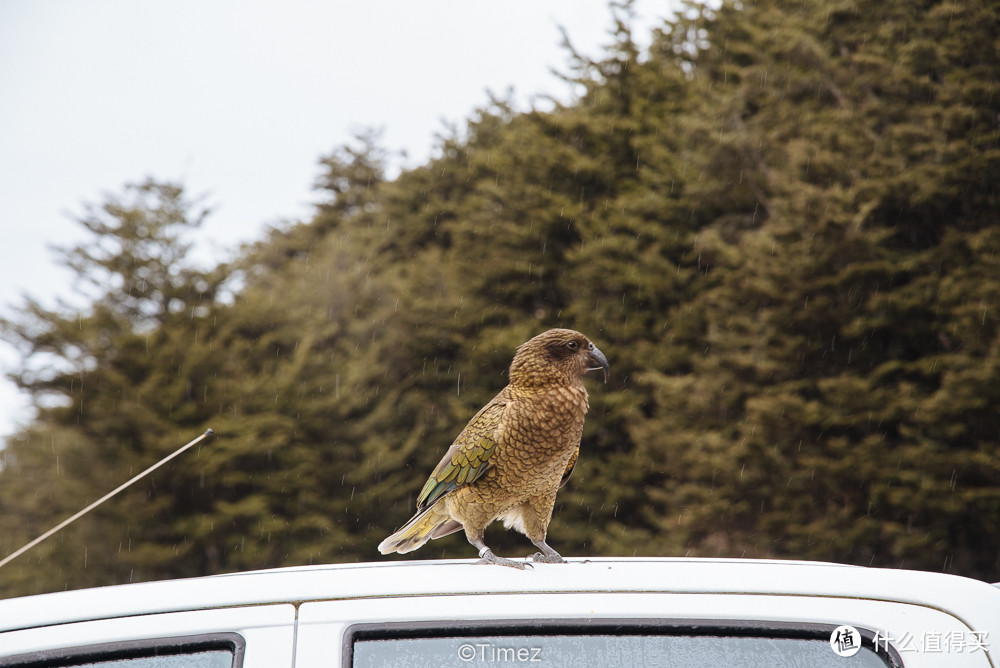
(468, 457)
(569, 467)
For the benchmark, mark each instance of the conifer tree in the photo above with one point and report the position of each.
(111, 381)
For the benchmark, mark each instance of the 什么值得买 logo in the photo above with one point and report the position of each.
(845, 641)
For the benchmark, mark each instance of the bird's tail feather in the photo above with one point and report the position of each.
(432, 522)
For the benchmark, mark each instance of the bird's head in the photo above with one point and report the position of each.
(556, 356)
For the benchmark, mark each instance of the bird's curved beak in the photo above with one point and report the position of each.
(597, 360)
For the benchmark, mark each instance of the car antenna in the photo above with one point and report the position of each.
(70, 520)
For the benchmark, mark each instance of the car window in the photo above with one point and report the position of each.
(210, 659)
(220, 650)
(613, 644)
(606, 652)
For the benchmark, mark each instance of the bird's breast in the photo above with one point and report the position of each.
(543, 426)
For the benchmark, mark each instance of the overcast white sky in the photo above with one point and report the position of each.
(239, 99)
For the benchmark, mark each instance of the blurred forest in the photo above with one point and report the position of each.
(781, 223)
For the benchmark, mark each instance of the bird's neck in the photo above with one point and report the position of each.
(543, 381)
(555, 401)
(538, 387)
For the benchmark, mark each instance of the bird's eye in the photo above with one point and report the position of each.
(572, 345)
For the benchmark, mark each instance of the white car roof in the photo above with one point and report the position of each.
(974, 602)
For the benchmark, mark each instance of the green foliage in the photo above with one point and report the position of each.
(780, 223)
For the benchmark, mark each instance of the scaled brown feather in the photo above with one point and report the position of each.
(514, 455)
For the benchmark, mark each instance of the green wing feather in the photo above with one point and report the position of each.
(468, 457)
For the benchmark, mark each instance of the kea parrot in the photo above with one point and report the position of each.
(514, 455)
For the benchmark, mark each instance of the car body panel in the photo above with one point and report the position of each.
(320, 603)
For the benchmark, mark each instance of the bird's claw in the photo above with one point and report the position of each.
(489, 558)
(547, 558)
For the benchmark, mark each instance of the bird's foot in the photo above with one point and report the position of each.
(553, 558)
(547, 554)
(489, 558)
